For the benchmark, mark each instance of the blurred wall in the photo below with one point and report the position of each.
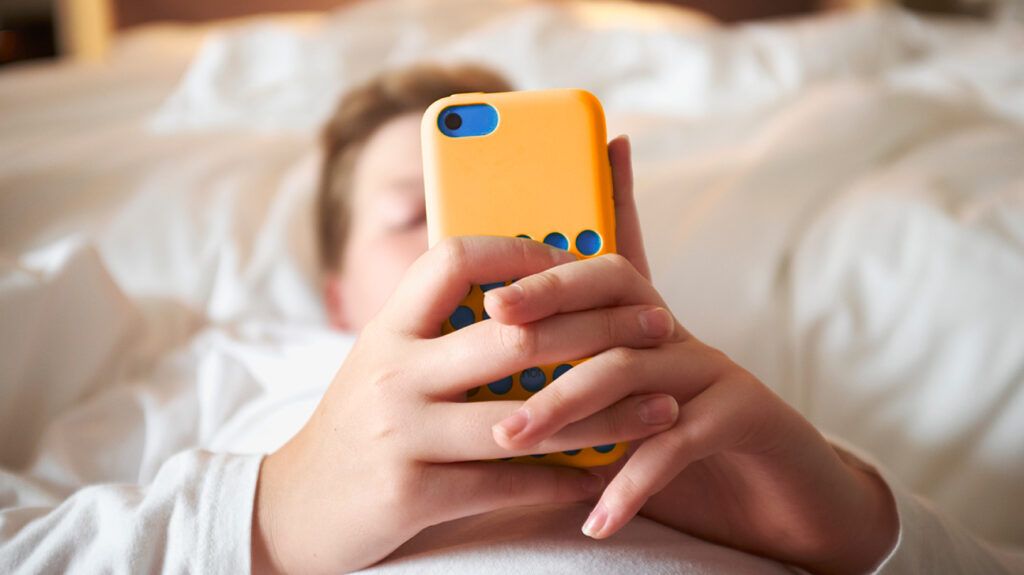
(25, 9)
(738, 10)
(132, 12)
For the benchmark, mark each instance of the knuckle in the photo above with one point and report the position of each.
(526, 249)
(621, 359)
(398, 486)
(562, 487)
(405, 494)
(677, 443)
(744, 384)
(384, 430)
(387, 380)
(553, 403)
(510, 486)
(609, 326)
(618, 262)
(547, 283)
(716, 356)
(384, 330)
(685, 440)
(374, 330)
(454, 255)
(616, 422)
(388, 389)
(629, 490)
(519, 340)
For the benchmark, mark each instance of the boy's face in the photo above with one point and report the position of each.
(387, 230)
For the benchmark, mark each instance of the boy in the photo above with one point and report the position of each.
(723, 459)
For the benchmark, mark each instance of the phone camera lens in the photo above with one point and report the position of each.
(453, 121)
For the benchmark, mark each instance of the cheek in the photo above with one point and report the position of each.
(375, 271)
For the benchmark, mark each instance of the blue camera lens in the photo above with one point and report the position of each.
(453, 121)
(467, 120)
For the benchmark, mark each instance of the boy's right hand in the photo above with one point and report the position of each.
(393, 448)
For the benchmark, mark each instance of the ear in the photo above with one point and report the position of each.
(334, 299)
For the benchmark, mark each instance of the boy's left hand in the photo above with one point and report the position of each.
(740, 467)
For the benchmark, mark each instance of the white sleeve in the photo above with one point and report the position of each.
(928, 541)
(194, 517)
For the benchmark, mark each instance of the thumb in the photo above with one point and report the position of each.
(439, 279)
(476, 487)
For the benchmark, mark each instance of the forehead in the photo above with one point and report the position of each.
(393, 150)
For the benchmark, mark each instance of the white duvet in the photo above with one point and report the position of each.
(838, 202)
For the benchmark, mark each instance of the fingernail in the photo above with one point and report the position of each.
(656, 322)
(513, 424)
(598, 517)
(592, 483)
(508, 295)
(658, 410)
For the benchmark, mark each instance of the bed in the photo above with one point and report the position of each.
(836, 200)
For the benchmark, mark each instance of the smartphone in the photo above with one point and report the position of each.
(531, 164)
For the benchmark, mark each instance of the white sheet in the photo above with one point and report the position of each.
(837, 202)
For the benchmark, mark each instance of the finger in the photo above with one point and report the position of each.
(489, 351)
(710, 423)
(439, 279)
(467, 430)
(683, 370)
(628, 238)
(585, 284)
(471, 488)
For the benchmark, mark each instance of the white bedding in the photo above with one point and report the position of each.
(837, 202)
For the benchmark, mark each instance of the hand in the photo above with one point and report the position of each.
(740, 467)
(393, 448)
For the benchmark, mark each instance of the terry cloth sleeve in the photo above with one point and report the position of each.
(194, 517)
(929, 541)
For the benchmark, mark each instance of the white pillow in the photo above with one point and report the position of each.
(281, 77)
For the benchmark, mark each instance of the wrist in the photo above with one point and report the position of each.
(264, 555)
(874, 528)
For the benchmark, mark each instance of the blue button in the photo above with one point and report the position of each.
(461, 317)
(490, 286)
(572, 451)
(524, 236)
(588, 242)
(486, 315)
(500, 387)
(532, 379)
(560, 370)
(557, 240)
(604, 448)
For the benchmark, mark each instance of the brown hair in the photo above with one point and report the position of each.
(360, 113)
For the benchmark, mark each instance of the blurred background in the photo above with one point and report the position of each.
(83, 28)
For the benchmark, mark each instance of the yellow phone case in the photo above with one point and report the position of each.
(543, 170)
